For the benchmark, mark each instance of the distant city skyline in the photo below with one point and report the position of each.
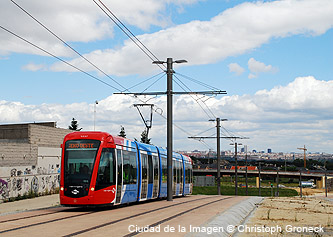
(274, 59)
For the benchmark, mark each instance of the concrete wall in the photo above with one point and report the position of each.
(14, 186)
(19, 143)
(30, 156)
(14, 132)
(39, 178)
(17, 154)
(47, 136)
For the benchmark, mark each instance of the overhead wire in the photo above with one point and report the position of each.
(197, 81)
(209, 116)
(60, 59)
(64, 42)
(150, 78)
(129, 34)
(152, 83)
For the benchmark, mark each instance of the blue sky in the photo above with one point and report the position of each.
(274, 59)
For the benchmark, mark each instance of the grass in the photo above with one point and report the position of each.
(230, 190)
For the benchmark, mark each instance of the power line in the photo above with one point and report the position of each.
(195, 99)
(150, 78)
(197, 81)
(64, 42)
(128, 33)
(60, 59)
(153, 83)
(88, 74)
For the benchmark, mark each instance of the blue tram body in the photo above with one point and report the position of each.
(98, 168)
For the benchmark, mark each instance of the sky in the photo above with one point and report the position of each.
(273, 58)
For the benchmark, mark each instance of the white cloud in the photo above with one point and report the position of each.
(34, 67)
(301, 111)
(232, 32)
(74, 21)
(257, 67)
(236, 68)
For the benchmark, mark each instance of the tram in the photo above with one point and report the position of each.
(100, 169)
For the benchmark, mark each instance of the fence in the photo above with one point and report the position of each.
(202, 181)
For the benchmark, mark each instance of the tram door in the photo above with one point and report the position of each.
(181, 177)
(156, 175)
(119, 175)
(144, 183)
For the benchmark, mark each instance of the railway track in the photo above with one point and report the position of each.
(79, 221)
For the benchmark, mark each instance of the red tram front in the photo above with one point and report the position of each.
(88, 169)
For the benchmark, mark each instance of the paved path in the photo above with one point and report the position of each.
(30, 204)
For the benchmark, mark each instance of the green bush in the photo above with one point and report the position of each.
(230, 190)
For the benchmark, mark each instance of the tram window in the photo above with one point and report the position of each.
(174, 171)
(106, 175)
(144, 162)
(187, 173)
(150, 170)
(179, 173)
(129, 167)
(164, 170)
(120, 175)
(155, 167)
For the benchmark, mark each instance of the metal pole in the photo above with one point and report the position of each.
(246, 184)
(277, 181)
(236, 181)
(96, 102)
(218, 156)
(94, 115)
(300, 182)
(259, 179)
(325, 182)
(169, 128)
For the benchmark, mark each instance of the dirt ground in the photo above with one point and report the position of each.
(311, 215)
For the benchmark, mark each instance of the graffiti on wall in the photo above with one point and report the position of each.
(4, 193)
(37, 178)
(14, 186)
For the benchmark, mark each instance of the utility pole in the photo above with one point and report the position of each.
(277, 182)
(170, 94)
(218, 137)
(169, 127)
(259, 179)
(300, 182)
(246, 184)
(236, 167)
(304, 149)
(218, 142)
(96, 103)
(218, 156)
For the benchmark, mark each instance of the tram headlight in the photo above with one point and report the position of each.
(92, 189)
(61, 188)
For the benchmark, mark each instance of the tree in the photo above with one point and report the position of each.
(122, 132)
(144, 137)
(74, 125)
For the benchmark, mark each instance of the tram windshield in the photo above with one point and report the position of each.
(79, 161)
